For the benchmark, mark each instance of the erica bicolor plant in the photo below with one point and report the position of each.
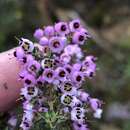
(54, 70)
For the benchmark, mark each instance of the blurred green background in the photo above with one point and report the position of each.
(109, 23)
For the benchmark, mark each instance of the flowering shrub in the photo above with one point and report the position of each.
(53, 73)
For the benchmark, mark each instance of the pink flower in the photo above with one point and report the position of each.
(62, 28)
(44, 41)
(49, 31)
(74, 25)
(57, 44)
(38, 33)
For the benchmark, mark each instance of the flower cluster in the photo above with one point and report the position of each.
(57, 68)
